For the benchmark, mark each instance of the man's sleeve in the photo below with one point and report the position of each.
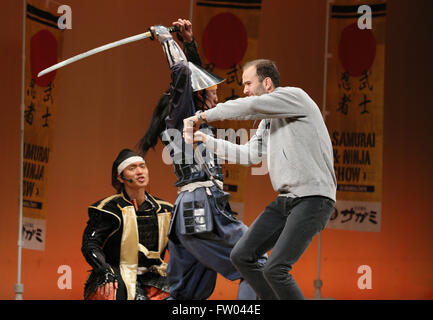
(288, 102)
(247, 154)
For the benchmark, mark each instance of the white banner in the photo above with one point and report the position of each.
(357, 215)
(34, 231)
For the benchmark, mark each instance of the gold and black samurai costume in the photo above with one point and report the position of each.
(128, 245)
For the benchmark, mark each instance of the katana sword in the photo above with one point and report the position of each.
(108, 46)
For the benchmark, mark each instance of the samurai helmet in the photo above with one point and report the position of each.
(202, 79)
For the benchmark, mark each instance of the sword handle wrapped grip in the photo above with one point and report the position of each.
(171, 29)
(174, 29)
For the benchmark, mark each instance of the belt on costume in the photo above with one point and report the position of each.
(199, 184)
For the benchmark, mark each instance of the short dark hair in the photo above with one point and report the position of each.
(265, 68)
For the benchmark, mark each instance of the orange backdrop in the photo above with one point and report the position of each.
(105, 103)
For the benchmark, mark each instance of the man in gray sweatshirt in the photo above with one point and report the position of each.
(295, 141)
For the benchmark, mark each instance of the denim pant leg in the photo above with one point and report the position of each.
(257, 240)
(305, 218)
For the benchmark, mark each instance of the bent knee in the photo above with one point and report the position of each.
(240, 256)
(274, 273)
(235, 256)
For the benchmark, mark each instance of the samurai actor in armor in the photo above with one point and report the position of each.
(203, 229)
(126, 237)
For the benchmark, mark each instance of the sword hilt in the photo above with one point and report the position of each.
(171, 29)
(174, 29)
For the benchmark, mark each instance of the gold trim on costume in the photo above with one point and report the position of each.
(103, 202)
(130, 245)
(164, 202)
(129, 250)
(163, 225)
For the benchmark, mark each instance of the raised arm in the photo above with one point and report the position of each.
(181, 103)
(287, 102)
(186, 37)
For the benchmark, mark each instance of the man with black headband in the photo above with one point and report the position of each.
(126, 237)
(204, 229)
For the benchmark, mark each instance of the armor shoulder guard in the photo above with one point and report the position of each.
(108, 205)
(165, 206)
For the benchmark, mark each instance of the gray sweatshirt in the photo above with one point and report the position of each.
(292, 135)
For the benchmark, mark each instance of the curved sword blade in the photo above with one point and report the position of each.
(80, 56)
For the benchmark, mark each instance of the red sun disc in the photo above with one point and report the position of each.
(43, 54)
(356, 50)
(225, 40)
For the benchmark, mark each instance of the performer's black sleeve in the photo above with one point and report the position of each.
(99, 227)
(181, 101)
(182, 105)
(191, 52)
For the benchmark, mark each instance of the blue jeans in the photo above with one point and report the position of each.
(287, 226)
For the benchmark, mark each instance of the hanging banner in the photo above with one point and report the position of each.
(43, 46)
(227, 37)
(354, 111)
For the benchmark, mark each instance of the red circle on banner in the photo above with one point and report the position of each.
(43, 54)
(356, 50)
(225, 40)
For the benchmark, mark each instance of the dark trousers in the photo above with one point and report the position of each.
(196, 259)
(287, 226)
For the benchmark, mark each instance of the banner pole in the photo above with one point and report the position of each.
(191, 9)
(326, 57)
(318, 282)
(19, 287)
